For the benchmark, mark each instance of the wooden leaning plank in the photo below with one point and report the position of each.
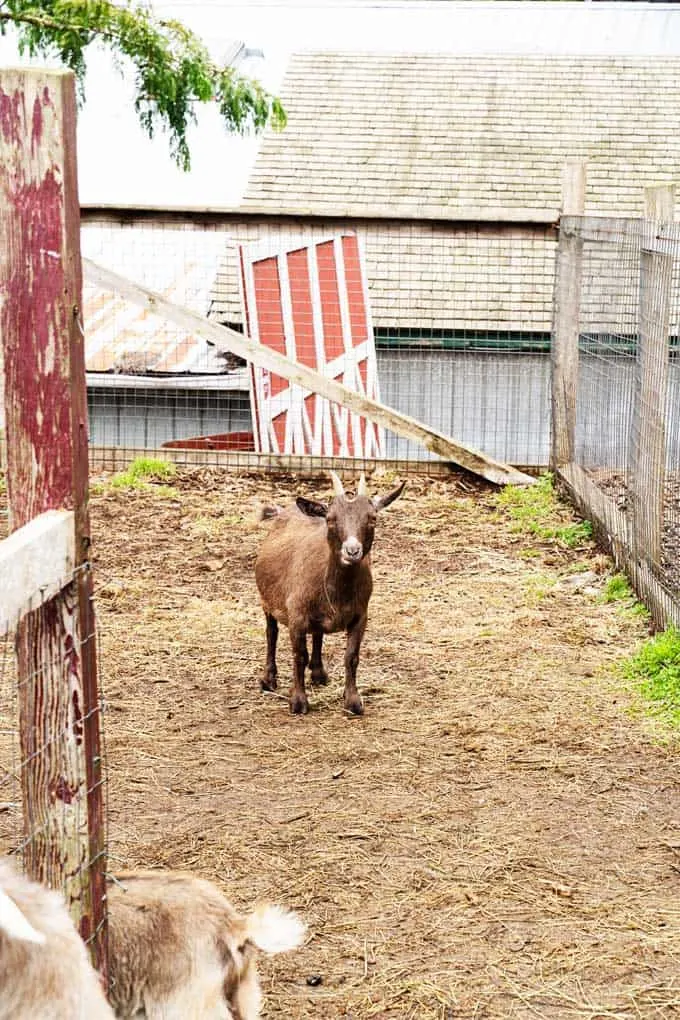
(36, 561)
(225, 339)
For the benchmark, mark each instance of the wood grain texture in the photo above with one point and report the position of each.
(46, 428)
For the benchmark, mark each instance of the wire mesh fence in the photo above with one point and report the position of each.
(51, 816)
(447, 324)
(626, 469)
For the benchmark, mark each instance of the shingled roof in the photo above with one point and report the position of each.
(442, 136)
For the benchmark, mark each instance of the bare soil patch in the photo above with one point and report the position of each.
(496, 838)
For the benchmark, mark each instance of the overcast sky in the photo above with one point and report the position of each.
(119, 165)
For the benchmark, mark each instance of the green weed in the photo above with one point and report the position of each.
(537, 510)
(618, 589)
(537, 588)
(145, 474)
(654, 671)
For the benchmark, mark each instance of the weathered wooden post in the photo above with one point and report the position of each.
(46, 429)
(565, 336)
(648, 432)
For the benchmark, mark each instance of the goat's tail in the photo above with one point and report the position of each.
(274, 930)
(13, 922)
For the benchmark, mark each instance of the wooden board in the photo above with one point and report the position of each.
(230, 340)
(47, 468)
(34, 562)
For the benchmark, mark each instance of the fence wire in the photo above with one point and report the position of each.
(628, 396)
(46, 819)
(457, 320)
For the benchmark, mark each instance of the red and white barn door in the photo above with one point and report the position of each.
(310, 303)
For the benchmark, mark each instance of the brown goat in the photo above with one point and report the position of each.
(313, 573)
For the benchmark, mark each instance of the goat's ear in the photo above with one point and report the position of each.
(380, 502)
(311, 508)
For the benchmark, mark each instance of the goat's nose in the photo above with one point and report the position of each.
(352, 549)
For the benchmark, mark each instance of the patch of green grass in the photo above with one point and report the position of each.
(147, 469)
(654, 671)
(147, 474)
(537, 510)
(618, 589)
(580, 567)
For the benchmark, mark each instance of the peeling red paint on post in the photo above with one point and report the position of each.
(37, 126)
(33, 315)
(10, 116)
(77, 717)
(46, 426)
(36, 332)
(63, 791)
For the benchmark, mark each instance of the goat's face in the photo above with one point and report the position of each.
(350, 525)
(350, 521)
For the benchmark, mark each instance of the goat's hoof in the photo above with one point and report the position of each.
(354, 704)
(319, 677)
(268, 683)
(299, 704)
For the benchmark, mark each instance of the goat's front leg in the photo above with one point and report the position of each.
(268, 682)
(298, 699)
(319, 674)
(355, 633)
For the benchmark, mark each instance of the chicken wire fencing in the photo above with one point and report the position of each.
(626, 465)
(52, 820)
(449, 324)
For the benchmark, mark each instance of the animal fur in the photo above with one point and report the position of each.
(314, 576)
(45, 971)
(179, 951)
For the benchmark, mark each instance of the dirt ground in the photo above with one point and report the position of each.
(497, 837)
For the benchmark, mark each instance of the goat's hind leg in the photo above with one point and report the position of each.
(268, 682)
(316, 666)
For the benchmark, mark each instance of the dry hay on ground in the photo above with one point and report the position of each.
(495, 838)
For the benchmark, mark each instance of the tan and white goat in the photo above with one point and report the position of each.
(45, 972)
(179, 951)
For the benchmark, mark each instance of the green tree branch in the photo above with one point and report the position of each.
(173, 68)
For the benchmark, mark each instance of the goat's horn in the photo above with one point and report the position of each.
(338, 488)
(362, 490)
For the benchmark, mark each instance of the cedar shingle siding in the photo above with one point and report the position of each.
(467, 136)
(450, 169)
(423, 276)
